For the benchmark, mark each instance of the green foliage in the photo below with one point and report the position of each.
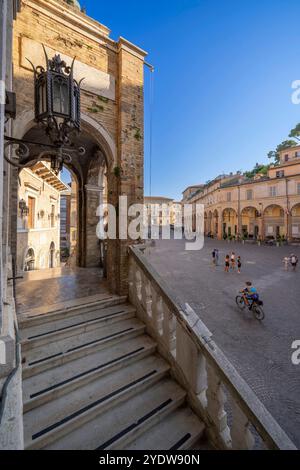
(96, 108)
(138, 135)
(117, 171)
(275, 155)
(103, 99)
(259, 168)
(295, 133)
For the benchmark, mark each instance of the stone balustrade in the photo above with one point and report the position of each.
(234, 416)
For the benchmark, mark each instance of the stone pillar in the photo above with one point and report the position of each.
(129, 175)
(92, 256)
(220, 225)
(287, 224)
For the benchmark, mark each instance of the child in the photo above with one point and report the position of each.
(239, 264)
(286, 262)
(294, 261)
(227, 263)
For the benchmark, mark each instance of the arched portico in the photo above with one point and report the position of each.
(229, 222)
(295, 222)
(250, 223)
(274, 223)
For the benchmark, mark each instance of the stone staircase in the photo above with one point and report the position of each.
(93, 379)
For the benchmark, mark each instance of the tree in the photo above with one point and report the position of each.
(259, 168)
(275, 154)
(295, 133)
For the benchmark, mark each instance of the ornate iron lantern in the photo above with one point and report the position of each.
(24, 209)
(57, 99)
(57, 110)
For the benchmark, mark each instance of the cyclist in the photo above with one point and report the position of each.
(249, 293)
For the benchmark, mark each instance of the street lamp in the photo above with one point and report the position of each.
(24, 209)
(57, 110)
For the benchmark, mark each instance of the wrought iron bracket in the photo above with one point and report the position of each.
(21, 158)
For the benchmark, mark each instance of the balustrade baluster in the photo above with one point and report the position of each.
(216, 400)
(242, 437)
(169, 328)
(157, 312)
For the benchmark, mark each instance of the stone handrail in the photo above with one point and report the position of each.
(234, 416)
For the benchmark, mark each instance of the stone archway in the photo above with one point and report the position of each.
(92, 173)
(295, 222)
(274, 224)
(229, 222)
(250, 224)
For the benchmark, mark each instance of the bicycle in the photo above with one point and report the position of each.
(255, 306)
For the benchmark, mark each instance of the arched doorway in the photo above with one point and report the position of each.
(250, 222)
(274, 221)
(29, 262)
(230, 223)
(295, 223)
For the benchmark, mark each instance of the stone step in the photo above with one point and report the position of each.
(51, 355)
(126, 420)
(59, 417)
(180, 430)
(41, 315)
(58, 381)
(39, 335)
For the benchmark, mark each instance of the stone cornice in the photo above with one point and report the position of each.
(123, 44)
(74, 19)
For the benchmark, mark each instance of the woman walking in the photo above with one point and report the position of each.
(239, 264)
(227, 263)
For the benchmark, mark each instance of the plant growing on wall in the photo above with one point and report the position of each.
(117, 171)
(138, 135)
(95, 108)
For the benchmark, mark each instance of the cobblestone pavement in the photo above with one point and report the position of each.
(261, 352)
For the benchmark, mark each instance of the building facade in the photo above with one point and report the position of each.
(264, 207)
(38, 229)
(111, 117)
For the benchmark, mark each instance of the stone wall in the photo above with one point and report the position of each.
(112, 106)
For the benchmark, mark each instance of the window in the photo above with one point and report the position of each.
(249, 194)
(298, 188)
(228, 197)
(52, 216)
(273, 191)
(31, 212)
(286, 158)
(280, 174)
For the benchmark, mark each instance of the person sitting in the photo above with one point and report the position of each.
(250, 294)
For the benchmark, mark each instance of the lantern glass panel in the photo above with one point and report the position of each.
(42, 97)
(61, 102)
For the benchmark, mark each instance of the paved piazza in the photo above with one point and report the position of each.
(261, 352)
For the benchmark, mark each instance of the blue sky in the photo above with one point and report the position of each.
(222, 82)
